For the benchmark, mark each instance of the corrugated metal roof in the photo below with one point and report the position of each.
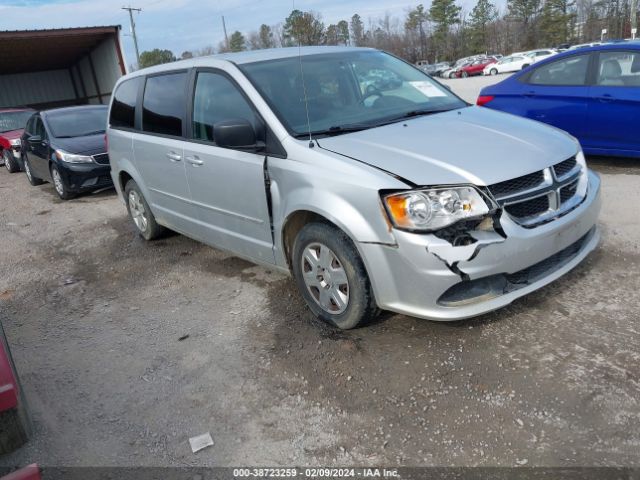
(38, 50)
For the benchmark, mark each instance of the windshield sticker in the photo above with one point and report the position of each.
(428, 89)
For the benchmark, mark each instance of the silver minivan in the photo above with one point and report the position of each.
(372, 184)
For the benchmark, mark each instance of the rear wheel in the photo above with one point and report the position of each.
(35, 181)
(140, 212)
(524, 66)
(60, 185)
(452, 75)
(10, 162)
(331, 276)
(494, 71)
(465, 74)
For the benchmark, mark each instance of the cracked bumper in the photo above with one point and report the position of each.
(410, 278)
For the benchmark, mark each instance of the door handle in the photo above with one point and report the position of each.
(605, 98)
(529, 94)
(174, 157)
(195, 161)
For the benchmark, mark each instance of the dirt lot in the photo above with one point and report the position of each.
(97, 320)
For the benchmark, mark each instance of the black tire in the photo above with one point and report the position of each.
(35, 181)
(361, 305)
(62, 189)
(465, 74)
(9, 162)
(493, 71)
(452, 75)
(524, 66)
(152, 229)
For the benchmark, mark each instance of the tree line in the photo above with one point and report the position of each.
(442, 32)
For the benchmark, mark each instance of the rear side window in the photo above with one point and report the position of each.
(568, 71)
(163, 106)
(123, 108)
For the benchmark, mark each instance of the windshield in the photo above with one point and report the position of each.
(346, 90)
(14, 120)
(78, 122)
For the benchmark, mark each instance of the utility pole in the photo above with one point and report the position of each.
(226, 38)
(634, 18)
(133, 30)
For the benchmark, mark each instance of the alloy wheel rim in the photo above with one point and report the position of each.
(57, 182)
(325, 278)
(138, 212)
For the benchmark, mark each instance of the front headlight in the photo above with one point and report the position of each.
(434, 208)
(73, 158)
(16, 142)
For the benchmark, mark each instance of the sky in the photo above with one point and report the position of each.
(180, 25)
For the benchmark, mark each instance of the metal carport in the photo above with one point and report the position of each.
(50, 68)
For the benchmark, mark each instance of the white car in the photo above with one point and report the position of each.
(508, 64)
(537, 55)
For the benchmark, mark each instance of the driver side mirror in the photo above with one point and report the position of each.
(236, 133)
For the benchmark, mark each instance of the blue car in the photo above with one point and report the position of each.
(592, 93)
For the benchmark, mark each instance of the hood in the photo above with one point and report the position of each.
(472, 145)
(12, 134)
(90, 145)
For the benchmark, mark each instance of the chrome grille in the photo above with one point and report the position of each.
(519, 184)
(102, 158)
(542, 196)
(562, 168)
(535, 206)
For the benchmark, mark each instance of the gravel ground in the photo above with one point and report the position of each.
(126, 349)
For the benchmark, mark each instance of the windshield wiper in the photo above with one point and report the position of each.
(337, 130)
(419, 113)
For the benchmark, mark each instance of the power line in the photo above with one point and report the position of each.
(133, 29)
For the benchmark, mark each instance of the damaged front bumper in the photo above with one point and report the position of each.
(427, 277)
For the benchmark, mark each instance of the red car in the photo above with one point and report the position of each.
(474, 68)
(12, 123)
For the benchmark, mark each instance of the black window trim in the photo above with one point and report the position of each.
(273, 147)
(589, 79)
(597, 65)
(139, 105)
(142, 80)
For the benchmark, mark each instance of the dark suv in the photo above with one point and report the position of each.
(12, 122)
(66, 146)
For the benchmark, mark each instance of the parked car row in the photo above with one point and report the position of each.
(64, 146)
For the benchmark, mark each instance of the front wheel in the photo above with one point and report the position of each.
(140, 212)
(331, 276)
(465, 74)
(10, 162)
(494, 71)
(60, 185)
(452, 75)
(524, 66)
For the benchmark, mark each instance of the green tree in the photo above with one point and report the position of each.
(357, 31)
(415, 22)
(331, 35)
(555, 22)
(266, 37)
(482, 15)
(303, 28)
(444, 14)
(156, 57)
(237, 42)
(525, 12)
(343, 32)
